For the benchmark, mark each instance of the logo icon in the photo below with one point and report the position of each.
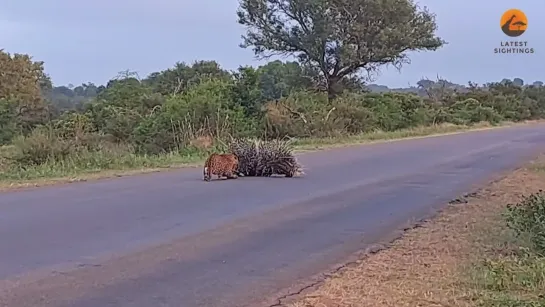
(514, 23)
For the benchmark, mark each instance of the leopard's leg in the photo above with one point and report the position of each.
(207, 174)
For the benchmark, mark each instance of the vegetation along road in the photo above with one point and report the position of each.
(171, 239)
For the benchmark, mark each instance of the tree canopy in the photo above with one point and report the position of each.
(339, 38)
(22, 84)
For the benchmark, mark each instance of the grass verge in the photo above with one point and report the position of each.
(97, 165)
(467, 256)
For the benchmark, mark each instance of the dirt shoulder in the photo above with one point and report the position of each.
(464, 257)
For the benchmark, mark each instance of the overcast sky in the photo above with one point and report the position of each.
(92, 41)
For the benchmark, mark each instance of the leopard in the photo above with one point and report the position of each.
(221, 165)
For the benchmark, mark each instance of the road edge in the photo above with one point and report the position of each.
(111, 174)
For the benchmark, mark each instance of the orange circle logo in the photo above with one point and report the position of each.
(513, 22)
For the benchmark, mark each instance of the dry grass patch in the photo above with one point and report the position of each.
(454, 260)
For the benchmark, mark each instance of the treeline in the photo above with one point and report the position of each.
(173, 109)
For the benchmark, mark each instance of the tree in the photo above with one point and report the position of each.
(278, 79)
(518, 82)
(177, 79)
(338, 37)
(22, 81)
(425, 83)
(246, 90)
(62, 98)
(88, 90)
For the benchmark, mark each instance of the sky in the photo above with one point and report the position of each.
(83, 41)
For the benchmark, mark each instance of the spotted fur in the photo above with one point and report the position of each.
(221, 165)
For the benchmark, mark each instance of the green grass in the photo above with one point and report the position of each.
(510, 272)
(322, 143)
(510, 280)
(509, 275)
(92, 163)
(108, 164)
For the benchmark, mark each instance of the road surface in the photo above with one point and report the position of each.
(171, 239)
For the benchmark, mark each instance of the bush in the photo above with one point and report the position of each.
(527, 220)
(301, 114)
(45, 146)
(388, 110)
(173, 111)
(203, 110)
(40, 147)
(128, 114)
(471, 111)
(513, 273)
(308, 114)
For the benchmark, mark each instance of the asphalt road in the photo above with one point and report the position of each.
(171, 239)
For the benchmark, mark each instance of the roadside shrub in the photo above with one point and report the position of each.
(194, 109)
(387, 111)
(310, 114)
(527, 220)
(203, 110)
(352, 116)
(471, 111)
(301, 114)
(394, 111)
(39, 147)
(45, 145)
